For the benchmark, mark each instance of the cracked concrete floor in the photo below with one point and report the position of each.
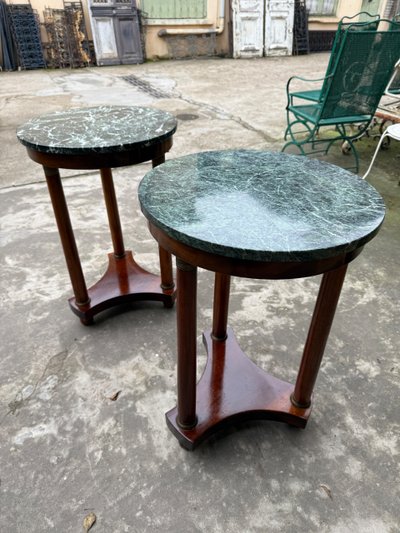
(69, 447)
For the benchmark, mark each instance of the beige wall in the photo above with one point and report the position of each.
(346, 8)
(156, 46)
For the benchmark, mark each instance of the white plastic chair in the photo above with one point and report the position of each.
(392, 131)
(394, 92)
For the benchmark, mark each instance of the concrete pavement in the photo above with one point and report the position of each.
(68, 449)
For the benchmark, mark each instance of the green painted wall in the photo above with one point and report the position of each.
(175, 9)
(371, 6)
(322, 7)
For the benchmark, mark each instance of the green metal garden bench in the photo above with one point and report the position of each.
(351, 92)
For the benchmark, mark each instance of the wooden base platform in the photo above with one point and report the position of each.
(124, 281)
(233, 389)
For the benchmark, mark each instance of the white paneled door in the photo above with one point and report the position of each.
(262, 27)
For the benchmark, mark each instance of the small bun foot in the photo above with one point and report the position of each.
(169, 303)
(87, 321)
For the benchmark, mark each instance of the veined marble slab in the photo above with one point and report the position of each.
(261, 206)
(102, 129)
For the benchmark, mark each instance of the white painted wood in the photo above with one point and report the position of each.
(248, 22)
(104, 39)
(279, 17)
(262, 27)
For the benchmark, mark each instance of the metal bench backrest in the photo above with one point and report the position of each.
(363, 67)
(365, 21)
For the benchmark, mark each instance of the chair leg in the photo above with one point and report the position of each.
(291, 143)
(375, 154)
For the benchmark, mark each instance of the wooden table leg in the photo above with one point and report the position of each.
(67, 237)
(112, 212)
(167, 279)
(158, 160)
(186, 330)
(318, 333)
(221, 304)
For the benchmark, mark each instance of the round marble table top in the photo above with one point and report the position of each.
(102, 129)
(261, 206)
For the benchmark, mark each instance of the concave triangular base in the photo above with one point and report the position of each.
(233, 389)
(124, 281)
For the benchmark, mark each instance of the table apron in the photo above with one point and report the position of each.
(96, 160)
(247, 268)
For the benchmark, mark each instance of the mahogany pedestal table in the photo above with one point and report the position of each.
(260, 215)
(102, 138)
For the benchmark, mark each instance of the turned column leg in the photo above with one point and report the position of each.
(158, 160)
(112, 212)
(186, 329)
(167, 279)
(66, 235)
(318, 333)
(219, 336)
(221, 304)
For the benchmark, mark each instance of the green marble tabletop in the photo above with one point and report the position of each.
(261, 206)
(103, 129)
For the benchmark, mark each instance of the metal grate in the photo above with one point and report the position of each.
(300, 28)
(321, 41)
(67, 41)
(24, 24)
(8, 54)
(146, 87)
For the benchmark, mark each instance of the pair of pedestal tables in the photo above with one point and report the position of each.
(246, 213)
